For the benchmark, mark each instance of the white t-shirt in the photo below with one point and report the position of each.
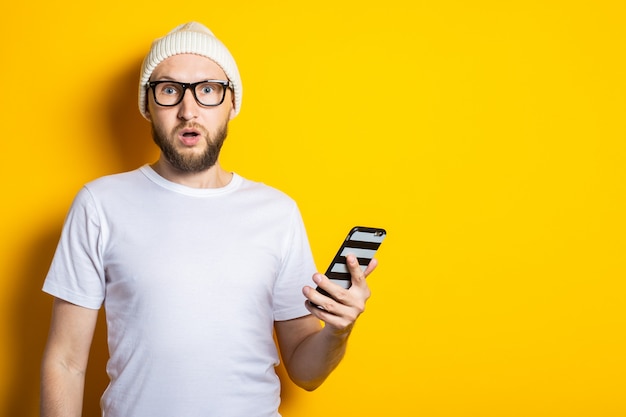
(192, 281)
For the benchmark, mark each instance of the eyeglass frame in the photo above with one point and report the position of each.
(191, 86)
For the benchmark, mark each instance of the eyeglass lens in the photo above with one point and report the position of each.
(207, 93)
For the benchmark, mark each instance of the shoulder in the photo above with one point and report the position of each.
(115, 180)
(110, 186)
(263, 191)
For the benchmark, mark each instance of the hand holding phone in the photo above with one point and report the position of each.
(362, 242)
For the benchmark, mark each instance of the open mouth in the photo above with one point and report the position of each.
(189, 136)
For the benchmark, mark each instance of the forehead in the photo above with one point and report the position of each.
(188, 68)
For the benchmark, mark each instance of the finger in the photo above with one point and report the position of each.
(329, 310)
(337, 314)
(317, 301)
(370, 267)
(330, 319)
(327, 291)
(356, 272)
(316, 297)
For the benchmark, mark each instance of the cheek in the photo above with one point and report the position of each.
(163, 116)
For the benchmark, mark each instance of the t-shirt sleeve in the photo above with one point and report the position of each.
(77, 274)
(296, 272)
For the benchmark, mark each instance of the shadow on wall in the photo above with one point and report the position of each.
(129, 131)
(31, 318)
(131, 138)
(130, 135)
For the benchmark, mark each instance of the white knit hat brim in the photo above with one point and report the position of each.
(190, 38)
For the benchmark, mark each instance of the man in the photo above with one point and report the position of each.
(196, 266)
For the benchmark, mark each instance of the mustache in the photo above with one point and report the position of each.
(187, 125)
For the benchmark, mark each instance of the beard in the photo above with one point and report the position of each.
(191, 162)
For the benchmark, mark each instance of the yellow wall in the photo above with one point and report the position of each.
(488, 137)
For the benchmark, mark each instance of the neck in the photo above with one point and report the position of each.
(214, 177)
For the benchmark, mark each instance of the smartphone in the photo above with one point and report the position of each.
(362, 242)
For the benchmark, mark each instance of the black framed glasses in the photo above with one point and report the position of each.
(207, 93)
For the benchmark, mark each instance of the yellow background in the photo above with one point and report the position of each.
(487, 137)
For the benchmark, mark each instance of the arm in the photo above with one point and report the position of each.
(65, 359)
(311, 352)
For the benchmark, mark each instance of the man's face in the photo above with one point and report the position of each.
(189, 135)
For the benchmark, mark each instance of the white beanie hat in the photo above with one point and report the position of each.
(189, 38)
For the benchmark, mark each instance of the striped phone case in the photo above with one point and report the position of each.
(363, 242)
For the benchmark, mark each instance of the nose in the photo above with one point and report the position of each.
(188, 107)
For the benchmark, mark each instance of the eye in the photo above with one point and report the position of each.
(169, 89)
(207, 89)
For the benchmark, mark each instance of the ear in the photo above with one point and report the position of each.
(147, 107)
(232, 107)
